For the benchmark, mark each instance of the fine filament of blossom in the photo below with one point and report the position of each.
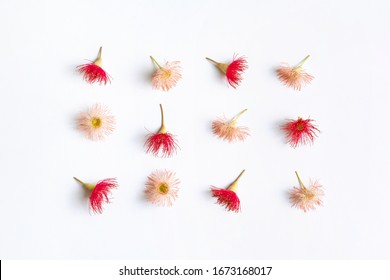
(294, 77)
(228, 129)
(100, 193)
(232, 71)
(93, 72)
(306, 198)
(161, 143)
(165, 78)
(228, 197)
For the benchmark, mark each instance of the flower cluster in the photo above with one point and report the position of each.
(162, 186)
(166, 77)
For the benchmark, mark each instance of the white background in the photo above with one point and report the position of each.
(44, 212)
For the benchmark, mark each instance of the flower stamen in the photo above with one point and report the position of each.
(163, 188)
(96, 122)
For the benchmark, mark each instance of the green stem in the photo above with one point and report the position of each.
(238, 115)
(299, 180)
(303, 61)
(159, 66)
(239, 176)
(89, 187)
(100, 53)
(78, 180)
(213, 61)
(233, 186)
(98, 60)
(162, 128)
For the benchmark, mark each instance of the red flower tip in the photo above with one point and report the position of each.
(232, 71)
(161, 143)
(227, 198)
(300, 132)
(100, 194)
(235, 70)
(93, 72)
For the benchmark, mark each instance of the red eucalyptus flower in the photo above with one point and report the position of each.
(232, 71)
(228, 197)
(300, 131)
(161, 143)
(93, 72)
(99, 193)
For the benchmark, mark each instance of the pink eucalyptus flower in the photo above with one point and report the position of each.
(228, 129)
(294, 77)
(162, 188)
(306, 198)
(97, 122)
(165, 78)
